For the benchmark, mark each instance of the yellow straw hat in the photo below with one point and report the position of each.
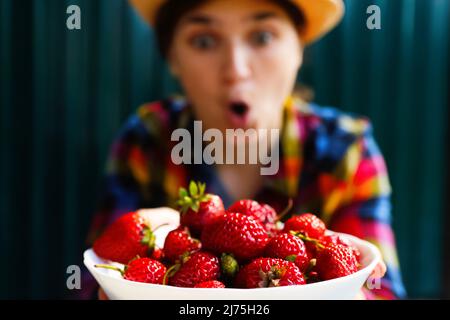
(321, 15)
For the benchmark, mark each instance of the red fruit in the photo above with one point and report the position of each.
(269, 272)
(307, 224)
(335, 261)
(284, 245)
(157, 254)
(290, 247)
(302, 262)
(197, 208)
(196, 268)
(210, 284)
(335, 239)
(141, 270)
(262, 212)
(178, 242)
(126, 238)
(235, 233)
(145, 270)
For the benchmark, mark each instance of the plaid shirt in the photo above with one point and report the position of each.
(330, 165)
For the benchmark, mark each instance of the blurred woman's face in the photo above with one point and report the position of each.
(238, 62)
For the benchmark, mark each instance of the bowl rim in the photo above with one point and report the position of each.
(357, 241)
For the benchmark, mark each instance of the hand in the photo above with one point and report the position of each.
(102, 295)
(379, 271)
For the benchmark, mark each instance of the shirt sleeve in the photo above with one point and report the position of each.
(360, 205)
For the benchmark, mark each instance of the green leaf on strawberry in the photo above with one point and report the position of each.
(193, 198)
(148, 237)
(193, 189)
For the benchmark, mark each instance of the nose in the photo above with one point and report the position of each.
(236, 66)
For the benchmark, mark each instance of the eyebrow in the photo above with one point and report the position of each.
(206, 20)
(199, 19)
(263, 16)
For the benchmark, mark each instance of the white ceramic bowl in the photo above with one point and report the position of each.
(337, 289)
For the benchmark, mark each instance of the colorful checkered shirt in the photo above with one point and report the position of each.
(330, 165)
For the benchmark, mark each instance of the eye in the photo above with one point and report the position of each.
(261, 38)
(204, 42)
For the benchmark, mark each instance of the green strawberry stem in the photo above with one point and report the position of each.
(291, 258)
(184, 257)
(170, 272)
(105, 266)
(316, 242)
(285, 210)
(135, 258)
(274, 276)
(191, 199)
(277, 272)
(148, 238)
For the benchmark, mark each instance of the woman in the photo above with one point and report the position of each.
(237, 62)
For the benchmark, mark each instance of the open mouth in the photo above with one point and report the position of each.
(239, 109)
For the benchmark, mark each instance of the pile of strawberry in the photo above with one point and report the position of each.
(245, 246)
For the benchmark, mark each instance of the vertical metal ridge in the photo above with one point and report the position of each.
(110, 54)
(19, 187)
(39, 220)
(6, 138)
(352, 39)
(431, 155)
(142, 52)
(402, 178)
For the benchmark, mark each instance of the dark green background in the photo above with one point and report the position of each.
(64, 94)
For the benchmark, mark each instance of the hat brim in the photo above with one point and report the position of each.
(321, 15)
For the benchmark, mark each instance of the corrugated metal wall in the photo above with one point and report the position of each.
(64, 94)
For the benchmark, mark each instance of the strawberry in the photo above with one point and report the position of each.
(141, 270)
(308, 224)
(157, 254)
(303, 262)
(196, 268)
(284, 245)
(197, 208)
(335, 239)
(127, 237)
(287, 245)
(235, 233)
(311, 246)
(179, 241)
(262, 212)
(210, 284)
(269, 272)
(335, 261)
